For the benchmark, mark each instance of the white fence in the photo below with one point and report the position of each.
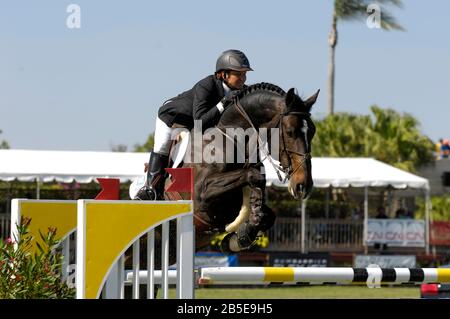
(320, 235)
(98, 234)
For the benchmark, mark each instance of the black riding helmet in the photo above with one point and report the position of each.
(233, 60)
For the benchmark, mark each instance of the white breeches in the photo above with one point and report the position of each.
(163, 137)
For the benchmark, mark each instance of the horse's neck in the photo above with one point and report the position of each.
(255, 115)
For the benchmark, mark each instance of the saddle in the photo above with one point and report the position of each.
(177, 152)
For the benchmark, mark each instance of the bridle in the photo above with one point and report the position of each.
(288, 171)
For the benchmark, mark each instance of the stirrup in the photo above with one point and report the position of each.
(146, 193)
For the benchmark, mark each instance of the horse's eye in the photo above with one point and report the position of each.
(290, 132)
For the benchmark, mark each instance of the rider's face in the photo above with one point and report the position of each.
(236, 79)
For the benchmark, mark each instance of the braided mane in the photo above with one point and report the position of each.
(261, 86)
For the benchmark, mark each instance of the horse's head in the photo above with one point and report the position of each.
(267, 105)
(296, 133)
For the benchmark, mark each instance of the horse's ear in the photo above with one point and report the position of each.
(290, 97)
(311, 100)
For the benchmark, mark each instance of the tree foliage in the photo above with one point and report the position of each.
(147, 146)
(387, 136)
(119, 148)
(3, 144)
(350, 10)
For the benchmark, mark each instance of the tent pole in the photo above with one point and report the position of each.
(366, 218)
(303, 226)
(38, 187)
(427, 221)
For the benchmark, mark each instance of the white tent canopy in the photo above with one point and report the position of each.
(68, 166)
(355, 172)
(83, 167)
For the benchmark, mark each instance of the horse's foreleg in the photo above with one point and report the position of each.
(244, 213)
(255, 181)
(260, 218)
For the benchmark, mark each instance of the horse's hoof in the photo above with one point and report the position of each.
(246, 236)
(231, 243)
(225, 243)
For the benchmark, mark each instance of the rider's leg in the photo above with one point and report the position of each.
(159, 159)
(156, 176)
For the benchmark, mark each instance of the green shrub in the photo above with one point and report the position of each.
(26, 275)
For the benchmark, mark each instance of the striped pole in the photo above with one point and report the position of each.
(258, 275)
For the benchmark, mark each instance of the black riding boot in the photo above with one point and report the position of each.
(156, 177)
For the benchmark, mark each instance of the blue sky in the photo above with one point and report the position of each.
(101, 85)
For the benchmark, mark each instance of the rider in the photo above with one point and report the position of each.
(205, 101)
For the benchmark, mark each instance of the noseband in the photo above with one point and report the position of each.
(288, 171)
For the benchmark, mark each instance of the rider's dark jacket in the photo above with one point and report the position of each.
(198, 103)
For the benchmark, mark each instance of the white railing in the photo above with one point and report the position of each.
(320, 235)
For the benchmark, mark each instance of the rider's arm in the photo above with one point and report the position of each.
(205, 107)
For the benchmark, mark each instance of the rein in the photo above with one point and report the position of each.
(289, 171)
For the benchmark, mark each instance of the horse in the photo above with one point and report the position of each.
(229, 196)
(225, 189)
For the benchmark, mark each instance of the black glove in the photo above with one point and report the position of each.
(229, 98)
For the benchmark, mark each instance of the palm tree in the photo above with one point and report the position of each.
(350, 10)
(342, 135)
(396, 139)
(386, 135)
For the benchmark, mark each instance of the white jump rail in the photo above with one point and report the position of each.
(258, 275)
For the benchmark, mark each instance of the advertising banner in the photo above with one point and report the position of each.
(213, 259)
(396, 232)
(440, 233)
(290, 259)
(385, 261)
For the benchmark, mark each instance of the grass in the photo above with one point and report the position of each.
(307, 292)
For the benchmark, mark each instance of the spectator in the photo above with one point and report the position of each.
(410, 214)
(437, 149)
(445, 148)
(357, 213)
(381, 213)
(401, 213)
